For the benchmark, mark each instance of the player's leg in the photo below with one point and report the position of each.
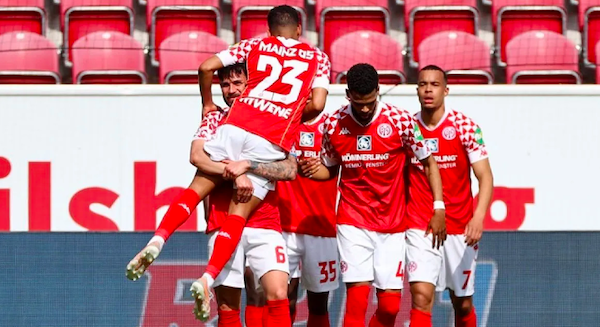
(267, 256)
(356, 266)
(389, 259)
(460, 263)
(179, 211)
(295, 249)
(255, 300)
(320, 275)
(229, 302)
(424, 264)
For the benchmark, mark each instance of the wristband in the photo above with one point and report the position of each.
(439, 205)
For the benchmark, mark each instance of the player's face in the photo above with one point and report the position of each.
(233, 86)
(363, 105)
(431, 89)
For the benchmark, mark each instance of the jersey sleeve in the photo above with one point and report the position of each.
(471, 138)
(329, 155)
(238, 52)
(323, 70)
(208, 127)
(410, 132)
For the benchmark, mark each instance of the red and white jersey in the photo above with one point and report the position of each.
(266, 216)
(456, 143)
(308, 206)
(372, 159)
(281, 75)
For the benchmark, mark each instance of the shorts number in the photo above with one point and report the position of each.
(400, 271)
(468, 273)
(326, 272)
(290, 78)
(280, 255)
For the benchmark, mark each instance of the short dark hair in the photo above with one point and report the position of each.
(283, 16)
(362, 79)
(437, 68)
(228, 71)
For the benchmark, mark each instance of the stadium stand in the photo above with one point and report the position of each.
(464, 56)
(334, 18)
(168, 17)
(389, 66)
(542, 57)
(422, 29)
(513, 17)
(589, 25)
(248, 17)
(182, 54)
(423, 21)
(81, 17)
(108, 58)
(28, 58)
(22, 16)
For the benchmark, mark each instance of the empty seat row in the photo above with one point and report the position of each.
(333, 19)
(541, 57)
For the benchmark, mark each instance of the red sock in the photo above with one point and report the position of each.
(357, 300)
(317, 320)
(279, 313)
(225, 244)
(388, 305)
(254, 316)
(469, 320)
(179, 211)
(229, 318)
(420, 318)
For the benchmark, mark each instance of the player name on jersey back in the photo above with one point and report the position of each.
(281, 75)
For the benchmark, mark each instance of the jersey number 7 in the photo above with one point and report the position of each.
(290, 78)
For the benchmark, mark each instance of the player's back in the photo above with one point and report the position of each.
(281, 75)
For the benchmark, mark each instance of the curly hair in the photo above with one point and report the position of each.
(282, 16)
(362, 79)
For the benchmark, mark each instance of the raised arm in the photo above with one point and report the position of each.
(206, 71)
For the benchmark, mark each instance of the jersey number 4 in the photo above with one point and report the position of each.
(290, 78)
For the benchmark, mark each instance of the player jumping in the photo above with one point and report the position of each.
(372, 141)
(456, 142)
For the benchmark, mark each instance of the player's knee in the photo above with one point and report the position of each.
(277, 293)
(463, 306)
(422, 301)
(226, 307)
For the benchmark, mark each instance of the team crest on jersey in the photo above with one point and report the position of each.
(363, 143)
(479, 136)
(384, 130)
(449, 133)
(307, 139)
(321, 128)
(432, 145)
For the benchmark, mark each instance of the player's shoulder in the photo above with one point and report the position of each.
(396, 115)
(331, 120)
(462, 122)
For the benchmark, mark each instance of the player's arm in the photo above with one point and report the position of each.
(206, 71)
(282, 170)
(315, 105)
(200, 159)
(315, 169)
(483, 172)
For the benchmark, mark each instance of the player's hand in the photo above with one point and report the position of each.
(473, 231)
(235, 168)
(244, 188)
(138, 265)
(209, 108)
(309, 166)
(437, 228)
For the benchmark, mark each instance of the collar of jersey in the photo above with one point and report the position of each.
(446, 112)
(375, 116)
(288, 42)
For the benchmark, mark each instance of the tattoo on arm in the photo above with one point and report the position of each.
(283, 170)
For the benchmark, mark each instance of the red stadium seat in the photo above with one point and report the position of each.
(513, 17)
(542, 57)
(249, 17)
(181, 55)
(108, 58)
(378, 49)
(28, 58)
(424, 18)
(335, 18)
(81, 17)
(464, 57)
(598, 62)
(302, 39)
(170, 17)
(589, 25)
(22, 15)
